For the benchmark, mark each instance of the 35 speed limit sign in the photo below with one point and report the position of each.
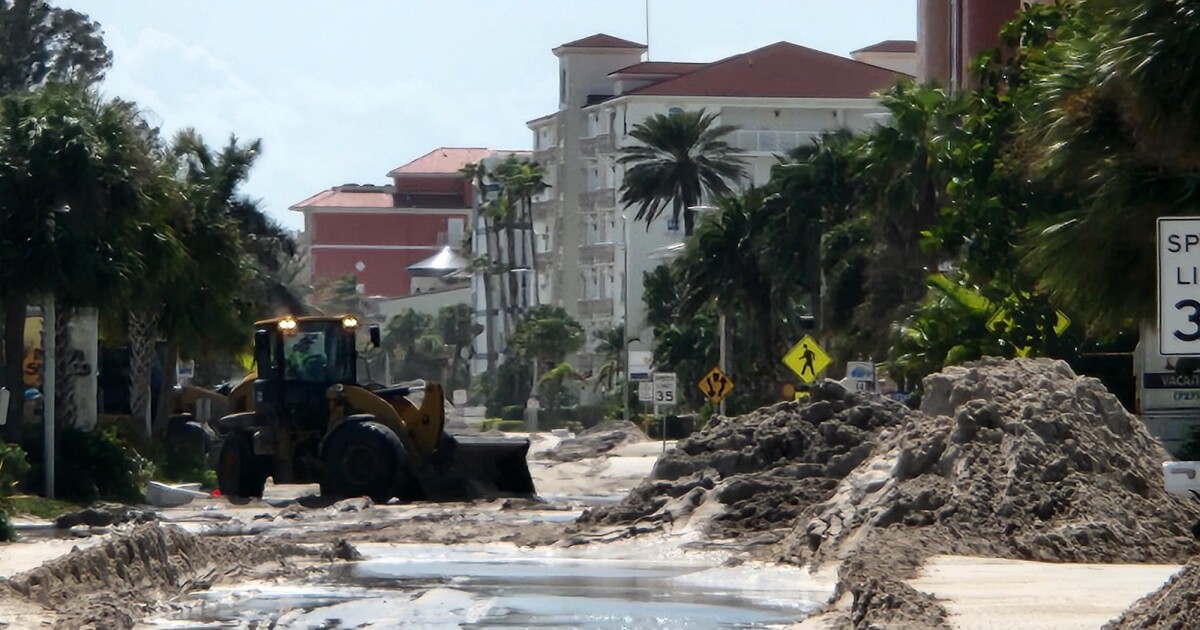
(664, 388)
(1179, 285)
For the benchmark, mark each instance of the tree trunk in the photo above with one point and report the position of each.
(170, 377)
(511, 262)
(142, 328)
(501, 290)
(14, 370)
(533, 261)
(64, 371)
(490, 315)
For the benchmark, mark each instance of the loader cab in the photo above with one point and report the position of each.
(299, 359)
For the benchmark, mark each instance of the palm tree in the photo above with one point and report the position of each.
(681, 158)
(64, 146)
(904, 188)
(723, 265)
(1115, 126)
(811, 198)
(222, 284)
(611, 350)
(528, 182)
(478, 174)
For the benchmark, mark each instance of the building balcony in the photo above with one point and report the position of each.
(545, 209)
(770, 141)
(590, 147)
(596, 308)
(547, 155)
(598, 199)
(597, 253)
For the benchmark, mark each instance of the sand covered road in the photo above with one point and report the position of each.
(914, 520)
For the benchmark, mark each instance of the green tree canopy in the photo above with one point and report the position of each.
(41, 43)
(547, 335)
(680, 158)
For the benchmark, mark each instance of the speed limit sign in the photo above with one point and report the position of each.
(1179, 285)
(664, 388)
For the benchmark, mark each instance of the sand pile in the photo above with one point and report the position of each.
(1176, 606)
(114, 583)
(760, 471)
(597, 441)
(1011, 459)
(1015, 459)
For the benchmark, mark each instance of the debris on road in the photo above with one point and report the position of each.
(596, 441)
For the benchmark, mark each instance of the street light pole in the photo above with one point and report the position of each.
(49, 342)
(723, 339)
(625, 315)
(49, 324)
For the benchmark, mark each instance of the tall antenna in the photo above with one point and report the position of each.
(647, 30)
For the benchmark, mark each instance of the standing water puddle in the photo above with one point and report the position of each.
(503, 587)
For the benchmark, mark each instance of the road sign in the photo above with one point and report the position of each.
(716, 385)
(1179, 286)
(861, 375)
(639, 364)
(1001, 321)
(807, 359)
(185, 369)
(664, 388)
(646, 391)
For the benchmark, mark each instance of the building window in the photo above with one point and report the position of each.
(672, 224)
(562, 87)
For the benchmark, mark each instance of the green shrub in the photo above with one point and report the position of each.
(513, 412)
(182, 467)
(100, 466)
(7, 532)
(13, 468)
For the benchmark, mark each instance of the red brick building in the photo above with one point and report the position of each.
(376, 232)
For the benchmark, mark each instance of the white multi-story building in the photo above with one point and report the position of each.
(779, 97)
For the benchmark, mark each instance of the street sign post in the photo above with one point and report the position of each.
(1179, 286)
(862, 375)
(664, 394)
(807, 359)
(646, 392)
(716, 385)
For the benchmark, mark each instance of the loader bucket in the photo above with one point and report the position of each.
(470, 467)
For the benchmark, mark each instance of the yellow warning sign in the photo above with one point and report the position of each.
(807, 359)
(716, 385)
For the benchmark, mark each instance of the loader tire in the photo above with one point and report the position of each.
(363, 459)
(240, 473)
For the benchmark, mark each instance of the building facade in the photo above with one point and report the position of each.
(951, 33)
(779, 97)
(376, 232)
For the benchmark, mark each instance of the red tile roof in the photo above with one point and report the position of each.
(675, 68)
(890, 46)
(441, 161)
(781, 70)
(350, 196)
(601, 40)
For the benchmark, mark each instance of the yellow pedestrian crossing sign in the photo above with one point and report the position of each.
(716, 385)
(807, 359)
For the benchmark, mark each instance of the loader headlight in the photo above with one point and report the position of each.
(349, 322)
(287, 324)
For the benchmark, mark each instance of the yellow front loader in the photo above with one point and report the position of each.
(302, 417)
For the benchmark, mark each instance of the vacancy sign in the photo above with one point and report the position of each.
(1179, 285)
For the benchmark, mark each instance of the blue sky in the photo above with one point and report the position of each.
(342, 92)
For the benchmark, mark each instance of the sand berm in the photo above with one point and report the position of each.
(1019, 459)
